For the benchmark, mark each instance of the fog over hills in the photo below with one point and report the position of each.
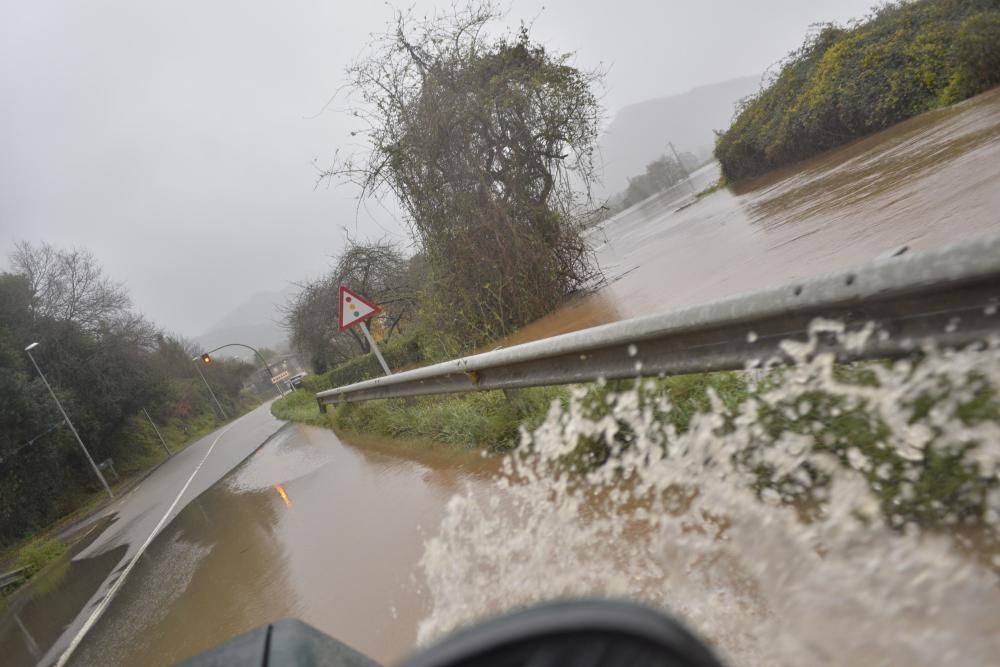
(639, 133)
(255, 322)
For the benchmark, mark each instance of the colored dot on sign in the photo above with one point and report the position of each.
(356, 313)
(348, 299)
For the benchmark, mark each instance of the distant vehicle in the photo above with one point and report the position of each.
(296, 380)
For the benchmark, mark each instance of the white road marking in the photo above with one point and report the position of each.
(64, 658)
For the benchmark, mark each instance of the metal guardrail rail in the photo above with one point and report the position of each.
(12, 577)
(950, 295)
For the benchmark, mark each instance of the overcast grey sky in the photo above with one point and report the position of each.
(176, 139)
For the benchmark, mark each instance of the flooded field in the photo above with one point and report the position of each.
(382, 544)
(922, 184)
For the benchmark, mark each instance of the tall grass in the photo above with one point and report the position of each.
(35, 555)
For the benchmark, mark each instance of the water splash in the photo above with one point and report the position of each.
(820, 514)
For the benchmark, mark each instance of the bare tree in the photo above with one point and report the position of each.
(380, 271)
(70, 286)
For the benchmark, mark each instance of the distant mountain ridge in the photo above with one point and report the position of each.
(255, 322)
(639, 133)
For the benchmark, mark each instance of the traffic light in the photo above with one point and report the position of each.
(205, 359)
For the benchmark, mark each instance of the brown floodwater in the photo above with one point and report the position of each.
(332, 532)
(309, 527)
(922, 184)
(33, 620)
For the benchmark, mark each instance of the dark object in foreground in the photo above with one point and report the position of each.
(596, 633)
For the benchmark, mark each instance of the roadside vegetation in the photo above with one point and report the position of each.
(485, 420)
(106, 362)
(486, 140)
(36, 555)
(849, 81)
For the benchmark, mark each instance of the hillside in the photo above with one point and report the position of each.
(256, 322)
(639, 133)
(848, 82)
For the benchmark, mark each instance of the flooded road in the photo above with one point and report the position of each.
(288, 521)
(306, 527)
(41, 621)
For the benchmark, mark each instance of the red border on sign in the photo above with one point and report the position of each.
(340, 308)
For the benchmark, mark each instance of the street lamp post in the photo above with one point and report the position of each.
(86, 453)
(224, 415)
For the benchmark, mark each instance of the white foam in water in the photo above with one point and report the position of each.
(792, 574)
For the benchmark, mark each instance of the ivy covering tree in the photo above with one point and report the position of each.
(487, 143)
(904, 59)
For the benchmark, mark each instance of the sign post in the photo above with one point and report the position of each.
(355, 309)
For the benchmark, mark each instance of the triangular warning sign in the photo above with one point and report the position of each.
(354, 308)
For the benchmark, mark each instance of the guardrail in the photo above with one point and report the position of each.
(950, 295)
(12, 577)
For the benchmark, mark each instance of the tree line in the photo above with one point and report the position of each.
(660, 175)
(106, 362)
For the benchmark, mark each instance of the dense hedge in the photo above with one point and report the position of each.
(844, 83)
(401, 354)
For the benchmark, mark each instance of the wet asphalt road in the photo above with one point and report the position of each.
(44, 625)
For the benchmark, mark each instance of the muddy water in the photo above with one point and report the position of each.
(334, 533)
(921, 184)
(32, 623)
(307, 527)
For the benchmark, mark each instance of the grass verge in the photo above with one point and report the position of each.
(493, 420)
(37, 554)
(488, 420)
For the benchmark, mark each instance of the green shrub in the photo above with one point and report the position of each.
(844, 83)
(977, 48)
(401, 353)
(490, 420)
(34, 556)
(299, 406)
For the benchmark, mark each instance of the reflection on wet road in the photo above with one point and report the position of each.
(53, 610)
(307, 527)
